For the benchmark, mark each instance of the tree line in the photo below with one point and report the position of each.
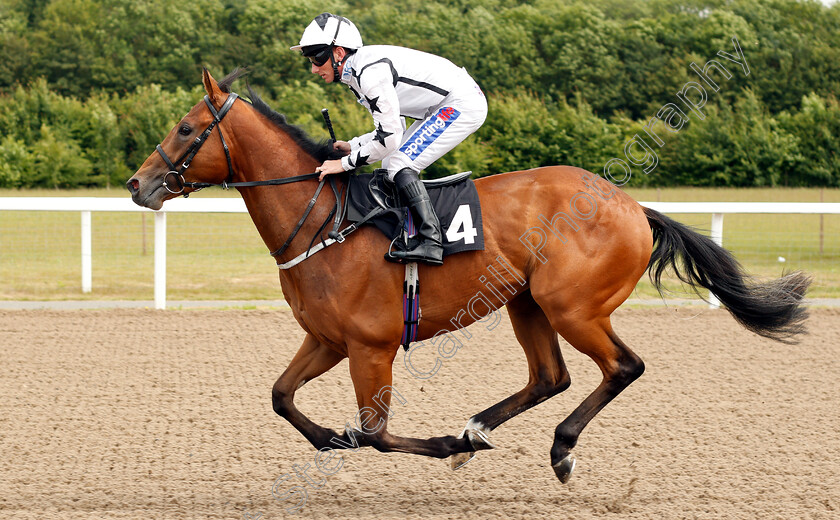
(88, 87)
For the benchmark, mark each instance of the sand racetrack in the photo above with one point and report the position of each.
(167, 414)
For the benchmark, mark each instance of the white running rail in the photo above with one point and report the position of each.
(86, 205)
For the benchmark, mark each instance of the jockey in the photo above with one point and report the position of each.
(392, 83)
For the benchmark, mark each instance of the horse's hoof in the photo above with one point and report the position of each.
(564, 468)
(480, 440)
(459, 460)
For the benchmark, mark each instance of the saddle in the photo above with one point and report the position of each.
(454, 198)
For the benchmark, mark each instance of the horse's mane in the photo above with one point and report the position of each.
(320, 150)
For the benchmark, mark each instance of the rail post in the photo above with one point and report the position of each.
(160, 260)
(87, 254)
(717, 237)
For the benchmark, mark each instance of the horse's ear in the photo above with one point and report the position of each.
(212, 87)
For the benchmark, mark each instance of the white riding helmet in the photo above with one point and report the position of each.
(332, 30)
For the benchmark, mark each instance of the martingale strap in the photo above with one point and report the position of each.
(339, 238)
(299, 225)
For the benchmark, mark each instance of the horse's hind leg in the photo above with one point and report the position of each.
(547, 374)
(312, 359)
(619, 366)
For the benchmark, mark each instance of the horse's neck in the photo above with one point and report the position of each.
(270, 154)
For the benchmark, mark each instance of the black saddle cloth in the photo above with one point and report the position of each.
(454, 198)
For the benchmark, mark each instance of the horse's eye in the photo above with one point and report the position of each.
(185, 130)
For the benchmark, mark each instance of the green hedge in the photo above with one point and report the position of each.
(88, 87)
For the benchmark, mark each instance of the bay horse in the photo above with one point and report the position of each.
(570, 276)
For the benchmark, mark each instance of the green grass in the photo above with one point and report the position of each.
(210, 257)
(221, 256)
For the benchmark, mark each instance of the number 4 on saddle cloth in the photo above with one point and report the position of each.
(454, 198)
(456, 203)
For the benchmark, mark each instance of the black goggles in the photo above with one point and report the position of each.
(318, 58)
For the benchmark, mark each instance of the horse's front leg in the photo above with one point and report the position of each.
(370, 369)
(312, 359)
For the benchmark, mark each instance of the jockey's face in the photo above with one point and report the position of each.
(326, 70)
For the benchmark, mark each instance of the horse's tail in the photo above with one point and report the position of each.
(771, 309)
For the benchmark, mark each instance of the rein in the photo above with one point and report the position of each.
(187, 157)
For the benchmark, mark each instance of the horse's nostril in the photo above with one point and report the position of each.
(133, 185)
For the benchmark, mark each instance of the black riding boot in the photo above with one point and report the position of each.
(427, 247)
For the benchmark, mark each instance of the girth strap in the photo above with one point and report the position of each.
(411, 305)
(411, 288)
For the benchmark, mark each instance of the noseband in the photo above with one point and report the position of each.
(187, 157)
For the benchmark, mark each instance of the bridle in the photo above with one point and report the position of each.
(190, 152)
(187, 157)
(339, 210)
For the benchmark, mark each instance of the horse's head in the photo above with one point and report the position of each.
(176, 167)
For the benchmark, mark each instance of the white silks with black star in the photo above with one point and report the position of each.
(394, 83)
